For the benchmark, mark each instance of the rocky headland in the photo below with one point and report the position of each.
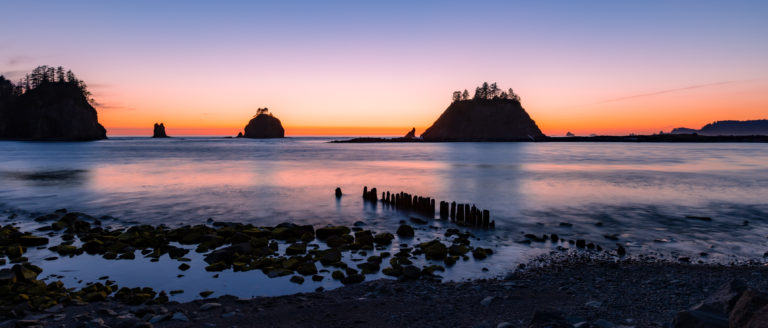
(263, 125)
(52, 107)
(729, 128)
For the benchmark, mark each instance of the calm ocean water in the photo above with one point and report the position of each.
(642, 193)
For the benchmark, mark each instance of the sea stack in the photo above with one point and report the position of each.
(50, 109)
(411, 134)
(159, 131)
(489, 116)
(264, 125)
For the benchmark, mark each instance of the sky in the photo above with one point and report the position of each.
(382, 67)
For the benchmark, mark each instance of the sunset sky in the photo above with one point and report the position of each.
(368, 68)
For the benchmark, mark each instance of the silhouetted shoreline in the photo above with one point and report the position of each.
(682, 138)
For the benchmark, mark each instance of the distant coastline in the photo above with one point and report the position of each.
(677, 138)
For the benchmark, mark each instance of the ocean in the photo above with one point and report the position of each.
(648, 197)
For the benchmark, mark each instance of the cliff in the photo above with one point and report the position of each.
(729, 128)
(159, 131)
(51, 111)
(264, 125)
(484, 120)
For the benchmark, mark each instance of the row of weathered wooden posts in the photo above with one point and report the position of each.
(462, 214)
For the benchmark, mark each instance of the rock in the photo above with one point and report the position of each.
(405, 231)
(504, 325)
(264, 125)
(418, 221)
(184, 267)
(411, 134)
(353, 279)
(50, 111)
(210, 306)
(594, 304)
(295, 249)
(159, 131)
(384, 238)
(179, 316)
(714, 311)
(206, 293)
(330, 256)
(483, 120)
(307, 268)
(411, 272)
(434, 250)
(325, 232)
(549, 319)
(749, 303)
(486, 301)
(601, 323)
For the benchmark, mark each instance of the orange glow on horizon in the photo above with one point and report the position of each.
(290, 131)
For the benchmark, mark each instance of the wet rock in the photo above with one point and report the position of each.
(353, 279)
(418, 221)
(549, 319)
(297, 248)
(743, 313)
(621, 251)
(206, 293)
(712, 312)
(330, 256)
(179, 316)
(298, 280)
(325, 232)
(384, 238)
(307, 268)
(317, 278)
(184, 267)
(405, 231)
(434, 250)
(594, 304)
(410, 272)
(486, 301)
(337, 275)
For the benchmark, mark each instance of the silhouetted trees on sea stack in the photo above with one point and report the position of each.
(487, 92)
(40, 76)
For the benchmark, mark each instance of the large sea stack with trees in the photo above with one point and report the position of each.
(491, 115)
(48, 104)
(263, 125)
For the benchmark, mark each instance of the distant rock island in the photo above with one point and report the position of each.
(491, 115)
(48, 104)
(411, 134)
(729, 128)
(263, 125)
(159, 131)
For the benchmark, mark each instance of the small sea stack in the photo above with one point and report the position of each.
(159, 131)
(264, 125)
(411, 134)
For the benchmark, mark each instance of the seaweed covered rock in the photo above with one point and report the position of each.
(264, 125)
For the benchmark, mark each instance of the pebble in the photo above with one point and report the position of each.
(486, 301)
(227, 315)
(209, 306)
(179, 316)
(504, 325)
(594, 304)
